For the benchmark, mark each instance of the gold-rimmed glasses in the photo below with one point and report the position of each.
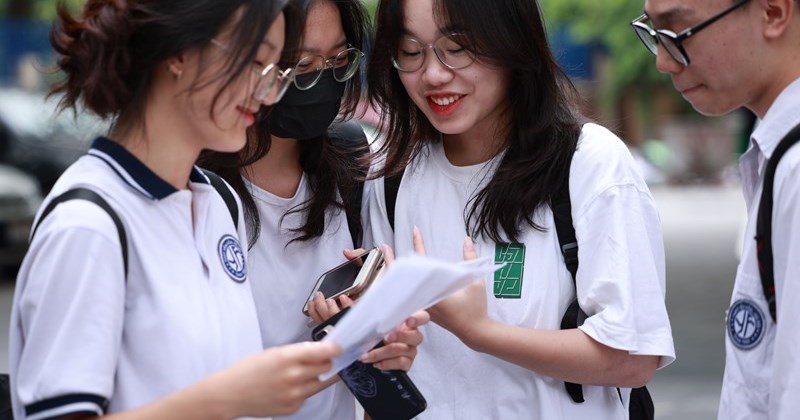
(411, 53)
(270, 78)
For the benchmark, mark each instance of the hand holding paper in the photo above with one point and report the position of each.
(410, 284)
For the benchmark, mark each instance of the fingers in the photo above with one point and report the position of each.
(388, 254)
(469, 249)
(321, 309)
(416, 238)
(352, 253)
(392, 356)
(314, 353)
(409, 337)
(345, 301)
(418, 319)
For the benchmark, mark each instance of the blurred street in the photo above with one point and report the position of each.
(700, 225)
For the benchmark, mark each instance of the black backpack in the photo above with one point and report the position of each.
(641, 403)
(87, 194)
(764, 221)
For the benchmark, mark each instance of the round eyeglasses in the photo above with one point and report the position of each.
(309, 69)
(410, 55)
(271, 80)
(671, 41)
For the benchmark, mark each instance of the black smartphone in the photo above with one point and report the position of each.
(384, 394)
(350, 278)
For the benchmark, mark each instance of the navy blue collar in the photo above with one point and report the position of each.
(134, 172)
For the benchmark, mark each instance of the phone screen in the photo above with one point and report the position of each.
(342, 277)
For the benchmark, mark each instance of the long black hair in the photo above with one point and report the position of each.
(330, 168)
(543, 124)
(108, 54)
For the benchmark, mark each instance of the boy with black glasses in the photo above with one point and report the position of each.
(749, 56)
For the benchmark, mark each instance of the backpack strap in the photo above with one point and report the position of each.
(219, 184)
(89, 195)
(764, 221)
(350, 137)
(391, 186)
(562, 217)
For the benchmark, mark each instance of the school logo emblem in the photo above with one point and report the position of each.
(232, 257)
(508, 280)
(745, 324)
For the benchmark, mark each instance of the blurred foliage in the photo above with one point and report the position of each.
(372, 6)
(607, 22)
(36, 9)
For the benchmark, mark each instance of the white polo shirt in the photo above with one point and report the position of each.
(283, 275)
(87, 339)
(620, 280)
(761, 360)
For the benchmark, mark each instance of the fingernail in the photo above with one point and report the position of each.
(468, 244)
(391, 338)
(364, 358)
(411, 322)
(416, 230)
(318, 295)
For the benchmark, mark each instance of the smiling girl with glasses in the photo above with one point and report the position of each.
(482, 135)
(137, 304)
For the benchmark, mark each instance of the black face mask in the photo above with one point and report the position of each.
(306, 114)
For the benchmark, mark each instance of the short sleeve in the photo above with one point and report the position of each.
(68, 314)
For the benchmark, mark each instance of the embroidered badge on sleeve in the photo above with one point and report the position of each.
(232, 258)
(745, 324)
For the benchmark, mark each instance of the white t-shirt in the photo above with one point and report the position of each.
(86, 338)
(620, 280)
(761, 365)
(283, 275)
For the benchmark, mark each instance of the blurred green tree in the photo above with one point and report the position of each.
(607, 22)
(629, 84)
(35, 9)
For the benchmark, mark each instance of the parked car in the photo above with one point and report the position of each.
(38, 140)
(20, 198)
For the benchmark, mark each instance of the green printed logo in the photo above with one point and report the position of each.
(508, 280)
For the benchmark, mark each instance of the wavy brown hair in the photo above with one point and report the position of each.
(109, 52)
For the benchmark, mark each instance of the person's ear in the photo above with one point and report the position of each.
(778, 16)
(175, 66)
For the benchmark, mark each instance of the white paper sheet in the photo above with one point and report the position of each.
(409, 285)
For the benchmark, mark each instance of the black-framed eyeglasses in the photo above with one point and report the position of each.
(309, 69)
(270, 78)
(671, 41)
(411, 53)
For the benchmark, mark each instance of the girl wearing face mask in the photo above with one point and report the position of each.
(159, 322)
(297, 180)
(478, 120)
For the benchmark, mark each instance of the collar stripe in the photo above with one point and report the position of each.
(135, 173)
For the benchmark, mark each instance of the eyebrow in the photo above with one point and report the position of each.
(668, 16)
(342, 43)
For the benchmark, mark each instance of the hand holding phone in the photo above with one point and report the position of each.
(351, 278)
(384, 394)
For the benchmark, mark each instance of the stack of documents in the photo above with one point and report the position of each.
(410, 284)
